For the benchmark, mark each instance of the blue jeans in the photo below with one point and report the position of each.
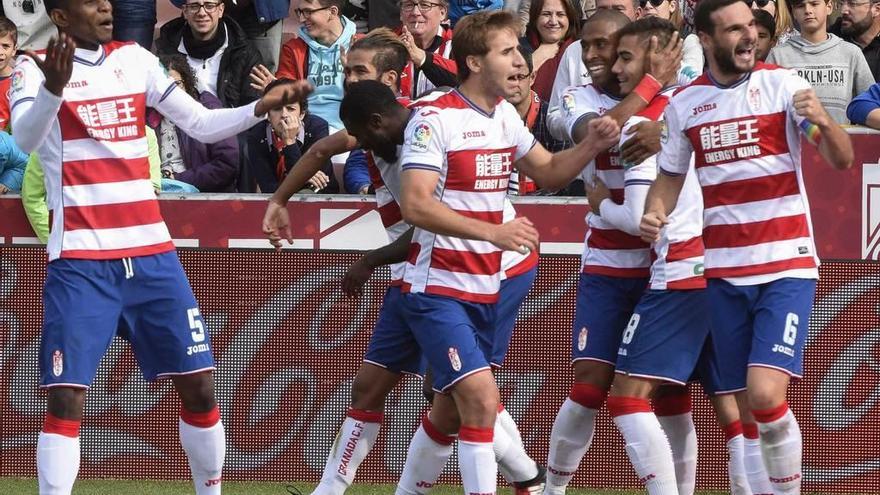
(134, 20)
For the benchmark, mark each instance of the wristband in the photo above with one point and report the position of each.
(648, 88)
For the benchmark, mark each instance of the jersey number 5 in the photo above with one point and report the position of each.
(195, 323)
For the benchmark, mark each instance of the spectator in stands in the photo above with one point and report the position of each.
(261, 21)
(573, 70)
(8, 46)
(584, 10)
(837, 70)
(134, 20)
(766, 27)
(429, 44)
(859, 23)
(692, 58)
(276, 145)
(381, 13)
(357, 173)
(865, 108)
(12, 164)
(553, 25)
(461, 8)
(216, 49)
(206, 167)
(33, 23)
(533, 110)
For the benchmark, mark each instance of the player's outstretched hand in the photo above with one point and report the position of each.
(596, 193)
(651, 224)
(281, 95)
(604, 132)
(808, 106)
(355, 278)
(518, 235)
(276, 224)
(261, 77)
(664, 63)
(57, 65)
(644, 143)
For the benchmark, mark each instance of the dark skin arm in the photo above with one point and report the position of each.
(358, 274)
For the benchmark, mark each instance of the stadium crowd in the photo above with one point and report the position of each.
(375, 119)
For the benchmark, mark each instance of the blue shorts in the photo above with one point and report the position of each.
(604, 306)
(665, 335)
(87, 302)
(392, 345)
(452, 333)
(759, 325)
(511, 296)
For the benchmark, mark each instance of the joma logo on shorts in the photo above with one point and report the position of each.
(788, 351)
(194, 349)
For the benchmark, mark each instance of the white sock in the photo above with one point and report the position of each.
(646, 444)
(513, 462)
(353, 443)
(736, 469)
(429, 450)
(58, 456)
(683, 442)
(782, 448)
(571, 435)
(204, 440)
(476, 460)
(753, 461)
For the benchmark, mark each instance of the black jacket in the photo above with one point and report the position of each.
(871, 52)
(233, 83)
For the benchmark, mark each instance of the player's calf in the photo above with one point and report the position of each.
(202, 435)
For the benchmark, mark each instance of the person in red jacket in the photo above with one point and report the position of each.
(553, 25)
(429, 43)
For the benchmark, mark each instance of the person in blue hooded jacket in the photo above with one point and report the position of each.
(12, 164)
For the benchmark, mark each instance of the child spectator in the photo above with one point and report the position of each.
(837, 70)
(429, 44)
(216, 49)
(12, 165)
(8, 46)
(553, 25)
(276, 145)
(766, 27)
(207, 167)
(859, 23)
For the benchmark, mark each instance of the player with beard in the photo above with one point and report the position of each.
(859, 23)
(458, 153)
(112, 265)
(743, 123)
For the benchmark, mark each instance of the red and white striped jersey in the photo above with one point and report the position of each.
(95, 159)
(607, 250)
(414, 82)
(385, 178)
(678, 254)
(473, 152)
(746, 145)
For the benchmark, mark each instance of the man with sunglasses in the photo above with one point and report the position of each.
(215, 47)
(859, 23)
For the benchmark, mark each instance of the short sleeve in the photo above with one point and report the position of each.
(158, 83)
(675, 153)
(521, 136)
(643, 173)
(26, 81)
(424, 146)
(578, 103)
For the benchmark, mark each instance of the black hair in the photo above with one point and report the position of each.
(365, 98)
(611, 16)
(177, 62)
(389, 52)
(303, 102)
(703, 15)
(649, 26)
(525, 49)
(765, 20)
(8, 27)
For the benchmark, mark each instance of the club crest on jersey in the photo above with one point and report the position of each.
(57, 363)
(582, 339)
(17, 83)
(421, 137)
(120, 76)
(568, 103)
(454, 360)
(664, 133)
(755, 99)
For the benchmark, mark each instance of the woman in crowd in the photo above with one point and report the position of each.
(553, 25)
(276, 145)
(429, 44)
(692, 60)
(206, 167)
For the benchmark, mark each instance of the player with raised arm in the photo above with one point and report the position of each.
(459, 150)
(615, 262)
(112, 265)
(743, 123)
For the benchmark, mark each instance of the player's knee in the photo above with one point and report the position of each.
(594, 373)
(762, 398)
(196, 392)
(66, 403)
(365, 395)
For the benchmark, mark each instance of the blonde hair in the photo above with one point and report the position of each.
(783, 18)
